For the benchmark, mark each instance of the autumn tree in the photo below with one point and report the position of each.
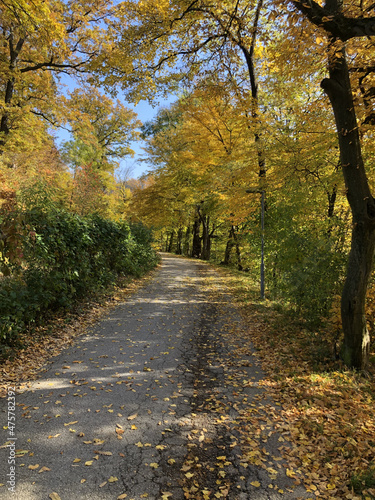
(105, 127)
(40, 41)
(343, 25)
(203, 159)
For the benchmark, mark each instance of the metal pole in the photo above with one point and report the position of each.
(262, 295)
(263, 194)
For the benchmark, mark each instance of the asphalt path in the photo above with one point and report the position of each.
(140, 407)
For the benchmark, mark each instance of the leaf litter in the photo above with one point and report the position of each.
(324, 415)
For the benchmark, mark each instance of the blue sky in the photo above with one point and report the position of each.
(145, 113)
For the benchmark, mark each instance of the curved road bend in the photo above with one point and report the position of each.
(138, 407)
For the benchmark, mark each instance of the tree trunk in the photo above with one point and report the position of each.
(228, 248)
(170, 246)
(249, 57)
(196, 250)
(14, 50)
(179, 241)
(356, 338)
(206, 238)
(233, 242)
(186, 247)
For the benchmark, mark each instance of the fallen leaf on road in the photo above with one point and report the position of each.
(54, 496)
(112, 479)
(43, 469)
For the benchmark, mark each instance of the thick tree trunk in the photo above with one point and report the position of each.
(356, 346)
(171, 241)
(356, 338)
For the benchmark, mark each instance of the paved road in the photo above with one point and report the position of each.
(138, 407)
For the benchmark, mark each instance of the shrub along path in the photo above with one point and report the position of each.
(158, 401)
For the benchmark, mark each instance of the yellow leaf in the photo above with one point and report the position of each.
(189, 475)
(122, 496)
(132, 417)
(134, 427)
(89, 462)
(255, 483)
(33, 467)
(112, 479)
(102, 484)
(43, 469)
(76, 460)
(154, 465)
(54, 496)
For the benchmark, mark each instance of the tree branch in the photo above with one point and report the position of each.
(337, 24)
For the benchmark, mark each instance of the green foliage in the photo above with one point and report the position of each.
(362, 481)
(304, 262)
(64, 257)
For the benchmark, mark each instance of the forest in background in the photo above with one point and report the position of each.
(274, 99)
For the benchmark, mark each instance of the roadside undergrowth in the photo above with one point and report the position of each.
(327, 412)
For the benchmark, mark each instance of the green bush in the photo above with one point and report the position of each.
(64, 257)
(305, 264)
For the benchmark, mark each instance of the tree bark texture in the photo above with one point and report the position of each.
(338, 88)
(206, 237)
